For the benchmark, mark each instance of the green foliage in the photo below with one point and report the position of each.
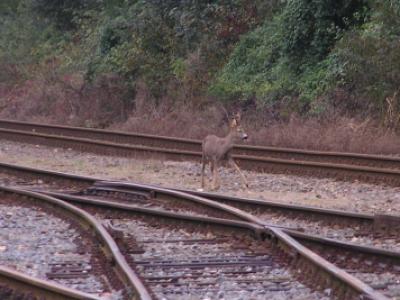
(62, 13)
(291, 54)
(235, 49)
(152, 39)
(113, 34)
(22, 39)
(248, 69)
(179, 68)
(9, 7)
(371, 56)
(310, 28)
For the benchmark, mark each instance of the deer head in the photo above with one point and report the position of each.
(236, 128)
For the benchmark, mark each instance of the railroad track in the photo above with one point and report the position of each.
(378, 267)
(370, 168)
(273, 213)
(362, 228)
(217, 256)
(110, 190)
(365, 227)
(16, 285)
(94, 264)
(231, 258)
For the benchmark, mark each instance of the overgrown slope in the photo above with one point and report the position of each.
(102, 63)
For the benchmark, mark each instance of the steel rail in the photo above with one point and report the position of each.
(299, 254)
(133, 284)
(379, 223)
(195, 145)
(323, 265)
(322, 213)
(166, 194)
(327, 242)
(274, 165)
(291, 253)
(20, 285)
(277, 205)
(87, 181)
(245, 223)
(256, 230)
(382, 224)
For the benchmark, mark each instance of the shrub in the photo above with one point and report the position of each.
(371, 58)
(290, 55)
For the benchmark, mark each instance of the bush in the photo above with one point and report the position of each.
(371, 58)
(290, 55)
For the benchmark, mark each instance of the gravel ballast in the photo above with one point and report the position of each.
(34, 243)
(265, 281)
(326, 193)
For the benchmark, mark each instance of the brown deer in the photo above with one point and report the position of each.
(216, 149)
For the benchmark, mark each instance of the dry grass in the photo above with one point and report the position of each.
(336, 134)
(69, 100)
(65, 99)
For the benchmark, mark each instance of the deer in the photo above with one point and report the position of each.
(217, 149)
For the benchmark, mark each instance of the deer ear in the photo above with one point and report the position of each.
(237, 117)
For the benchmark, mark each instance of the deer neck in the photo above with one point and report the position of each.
(229, 140)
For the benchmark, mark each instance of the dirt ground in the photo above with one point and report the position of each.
(326, 193)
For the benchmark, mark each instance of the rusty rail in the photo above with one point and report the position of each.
(345, 285)
(378, 161)
(132, 283)
(376, 223)
(264, 164)
(243, 222)
(15, 285)
(305, 259)
(87, 181)
(334, 275)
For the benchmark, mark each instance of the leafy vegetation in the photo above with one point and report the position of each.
(291, 55)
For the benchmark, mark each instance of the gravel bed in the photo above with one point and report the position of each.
(326, 193)
(386, 283)
(31, 241)
(269, 281)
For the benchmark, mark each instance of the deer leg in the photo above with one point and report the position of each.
(232, 163)
(203, 168)
(211, 171)
(216, 176)
(212, 168)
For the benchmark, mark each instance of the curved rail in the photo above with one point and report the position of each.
(331, 270)
(16, 285)
(167, 194)
(132, 283)
(283, 240)
(299, 254)
(159, 213)
(245, 223)
(87, 181)
(377, 223)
